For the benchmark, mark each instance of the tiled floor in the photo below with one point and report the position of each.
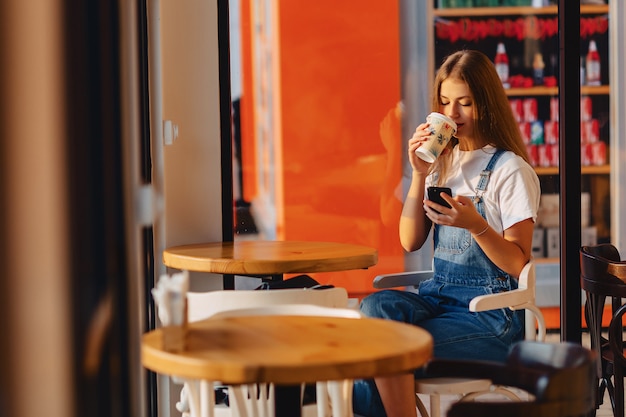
(604, 411)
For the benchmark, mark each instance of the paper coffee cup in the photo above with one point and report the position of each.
(442, 128)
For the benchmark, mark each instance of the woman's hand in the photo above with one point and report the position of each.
(509, 250)
(421, 135)
(462, 213)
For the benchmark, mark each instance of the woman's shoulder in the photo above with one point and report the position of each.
(513, 168)
(512, 160)
(508, 162)
(506, 158)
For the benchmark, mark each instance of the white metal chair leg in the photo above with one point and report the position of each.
(201, 398)
(249, 392)
(420, 406)
(340, 393)
(193, 392)
(237, 401)
(321, 399)
(435, 405)
(263, 404)
(207, 399)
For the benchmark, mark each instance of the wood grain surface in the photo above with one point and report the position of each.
(269, 257)
(290, 349)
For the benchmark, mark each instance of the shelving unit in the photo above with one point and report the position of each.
(474, 28)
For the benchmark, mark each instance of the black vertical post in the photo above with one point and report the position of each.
(569, 172)
(226, 140)
(97, 238)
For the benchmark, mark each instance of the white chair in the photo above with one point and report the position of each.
(332, 397)
(521, 298)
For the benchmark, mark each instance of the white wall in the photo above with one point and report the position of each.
(191, 100)
(191, 173)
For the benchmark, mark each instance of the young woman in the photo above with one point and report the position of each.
(481, 242)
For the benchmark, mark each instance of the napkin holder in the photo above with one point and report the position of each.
(170, 297)
(175, 335)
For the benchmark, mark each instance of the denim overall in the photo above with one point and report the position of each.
(461, 272)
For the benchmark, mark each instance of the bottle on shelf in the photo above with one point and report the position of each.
(593, 64)
(538, 67)
(502, 64)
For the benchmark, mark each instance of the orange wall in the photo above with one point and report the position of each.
(339, 79)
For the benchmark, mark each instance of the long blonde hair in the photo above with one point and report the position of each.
(494, 123)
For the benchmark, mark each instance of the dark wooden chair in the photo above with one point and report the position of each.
(560, 378)
(604, 275)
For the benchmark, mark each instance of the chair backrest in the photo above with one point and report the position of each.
(560, 376)
(601, 270)
(603, 275)
(206, 304)
(292, 310)
(558, 369)
(306, 301)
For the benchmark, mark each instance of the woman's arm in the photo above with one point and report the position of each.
(510, 251)
(414, 225)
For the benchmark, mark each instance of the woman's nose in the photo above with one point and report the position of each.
(451, 112)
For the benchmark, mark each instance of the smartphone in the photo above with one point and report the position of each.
(434, 195)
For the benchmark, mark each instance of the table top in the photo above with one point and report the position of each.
(269, 257)
(290, 349)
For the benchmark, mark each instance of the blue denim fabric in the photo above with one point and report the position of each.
(461, 272)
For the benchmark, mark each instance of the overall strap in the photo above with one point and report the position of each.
(486, 174)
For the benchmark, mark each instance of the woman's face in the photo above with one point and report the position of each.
(456, 102)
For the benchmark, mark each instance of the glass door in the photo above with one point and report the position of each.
(522, 37)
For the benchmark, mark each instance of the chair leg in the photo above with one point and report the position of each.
(237, 398)
(618, 381)
(321, 399)
(193, 392)
(435, 405)
(341, 398)
(420, 406)
(207, 398)
(264, 400)
(604, 385)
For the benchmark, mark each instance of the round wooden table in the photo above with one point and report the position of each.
(269, 258)
(290, 349)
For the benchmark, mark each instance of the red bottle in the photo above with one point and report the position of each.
(502, 64)
(593, 65)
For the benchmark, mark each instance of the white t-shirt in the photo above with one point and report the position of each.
(513, 191)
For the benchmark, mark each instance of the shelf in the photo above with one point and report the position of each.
(591, 90)
(532, 91)
(522, 11)
(587, 170)
(585, 90)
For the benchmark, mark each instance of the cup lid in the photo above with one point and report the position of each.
(435, 115)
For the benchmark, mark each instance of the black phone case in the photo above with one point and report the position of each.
(433, 195)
